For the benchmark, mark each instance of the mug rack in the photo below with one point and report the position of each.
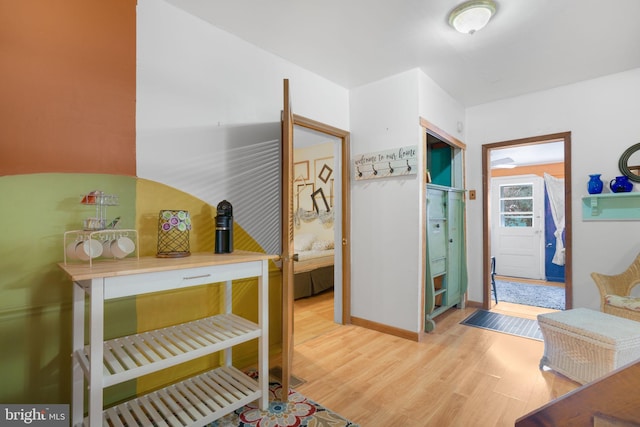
(100, 235)
(101, 201)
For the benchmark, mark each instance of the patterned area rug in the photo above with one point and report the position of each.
(536, 295)
(297, 412)
(527, 328)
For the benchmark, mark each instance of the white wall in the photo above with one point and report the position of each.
(386, 236)
(440, 109)
(602, 116)
(205, 91)
(208, 113)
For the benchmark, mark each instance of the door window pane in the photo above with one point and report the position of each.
(516, 205)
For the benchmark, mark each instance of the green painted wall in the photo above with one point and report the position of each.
(35, 302)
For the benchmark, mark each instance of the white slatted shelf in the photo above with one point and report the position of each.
(126, 358)
(195, 401)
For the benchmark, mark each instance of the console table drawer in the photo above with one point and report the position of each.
(136, 284)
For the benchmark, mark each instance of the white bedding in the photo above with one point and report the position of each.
(305, 255)
(310, 260)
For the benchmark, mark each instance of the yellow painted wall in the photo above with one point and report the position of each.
(173, 307)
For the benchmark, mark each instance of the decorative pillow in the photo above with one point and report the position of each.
(322, 245)
(303, 242)
(630, 303)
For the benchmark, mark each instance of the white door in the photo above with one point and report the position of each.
(517, 226)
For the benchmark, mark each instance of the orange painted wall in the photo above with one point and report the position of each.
(553, 169)
(67, 79)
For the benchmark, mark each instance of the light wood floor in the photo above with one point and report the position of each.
(457, 376)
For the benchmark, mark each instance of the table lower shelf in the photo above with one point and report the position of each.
(195, 401)
(129, 357)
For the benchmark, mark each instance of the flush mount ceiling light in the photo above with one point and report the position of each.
(472, 16)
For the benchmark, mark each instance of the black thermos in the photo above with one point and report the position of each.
(224, 228)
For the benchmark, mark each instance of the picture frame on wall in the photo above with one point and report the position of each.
(303, 193)
(301, 170)
(319, 193)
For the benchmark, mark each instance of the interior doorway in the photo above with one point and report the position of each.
(321, 214)
(509, 215)
(317, 235)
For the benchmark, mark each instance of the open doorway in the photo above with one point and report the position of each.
(527, 224)
(317, 275)
(321, 217)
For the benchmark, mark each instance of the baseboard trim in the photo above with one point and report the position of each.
(385, 329)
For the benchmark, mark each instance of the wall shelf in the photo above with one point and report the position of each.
(611, 207)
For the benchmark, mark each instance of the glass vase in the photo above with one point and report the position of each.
(595, 184)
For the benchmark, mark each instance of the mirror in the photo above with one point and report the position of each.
(629, 164)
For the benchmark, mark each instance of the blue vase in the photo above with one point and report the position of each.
(621, 184)
(595, 184)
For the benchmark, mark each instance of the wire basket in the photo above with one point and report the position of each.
(173, 233)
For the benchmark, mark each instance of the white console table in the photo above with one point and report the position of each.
(195, 401)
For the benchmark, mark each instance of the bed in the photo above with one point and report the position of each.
(313, 272)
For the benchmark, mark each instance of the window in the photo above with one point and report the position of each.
(516, 205)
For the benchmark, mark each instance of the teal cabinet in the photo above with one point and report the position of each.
(446, 264)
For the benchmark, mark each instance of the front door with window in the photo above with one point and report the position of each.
(517, 226)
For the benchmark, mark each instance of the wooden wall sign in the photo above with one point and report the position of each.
(388, 163)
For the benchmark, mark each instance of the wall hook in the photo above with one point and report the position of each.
(359, 173)
(375, 172)
(408, 166)
(390, 168)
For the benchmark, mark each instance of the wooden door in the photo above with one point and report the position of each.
(287, 241)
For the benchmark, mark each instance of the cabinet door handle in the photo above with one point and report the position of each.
(450, 240)
(196, 277)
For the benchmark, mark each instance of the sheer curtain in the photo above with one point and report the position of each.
(555, 191)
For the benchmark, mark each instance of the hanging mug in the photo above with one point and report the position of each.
(122, 246)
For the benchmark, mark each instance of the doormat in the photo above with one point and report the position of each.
(518, 326)
(297, 411)
(537, 295)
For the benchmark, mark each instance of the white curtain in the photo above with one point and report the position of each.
(555, 191)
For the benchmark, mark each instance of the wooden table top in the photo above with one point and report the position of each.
(127, 266)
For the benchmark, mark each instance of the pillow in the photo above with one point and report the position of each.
(322, 245)
(630, 303)
(303, 242)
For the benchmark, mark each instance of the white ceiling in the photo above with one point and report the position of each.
(530, 45)
(524, 155)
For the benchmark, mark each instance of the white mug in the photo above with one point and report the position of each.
(106, 248)
(122, 246)
(71, 250)
(80, 252)
(88, 249)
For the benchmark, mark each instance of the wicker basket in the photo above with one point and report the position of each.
(173, 233)
(585, 345)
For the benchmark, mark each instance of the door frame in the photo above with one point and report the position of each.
(288, 121)
(345, 201)
(428, 127)
(565, 137)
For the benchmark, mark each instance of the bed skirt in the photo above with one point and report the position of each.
(312, 282)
